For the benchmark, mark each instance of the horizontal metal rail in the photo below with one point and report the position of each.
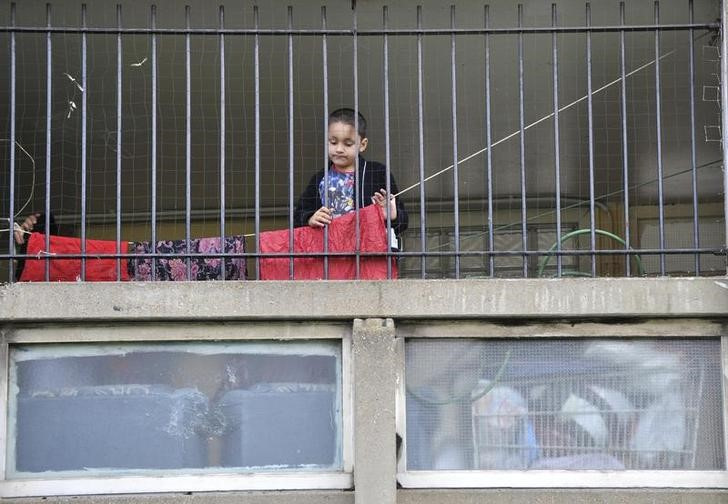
(471, 253)
(361, 33)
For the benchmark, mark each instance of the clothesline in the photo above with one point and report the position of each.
(18, 229)
(535, 123)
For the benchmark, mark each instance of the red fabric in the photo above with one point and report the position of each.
(69, 270)
(342, 232)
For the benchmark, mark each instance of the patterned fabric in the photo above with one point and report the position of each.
(341, 192)
(202, 268)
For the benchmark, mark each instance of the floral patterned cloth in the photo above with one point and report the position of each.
(201, 268)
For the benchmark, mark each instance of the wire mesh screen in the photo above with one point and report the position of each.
(679, 233)
(586, 404)
(474, 262)
(158, 123)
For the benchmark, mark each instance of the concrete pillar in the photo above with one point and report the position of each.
(374, 359)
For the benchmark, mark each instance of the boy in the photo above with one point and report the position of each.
(344, 144)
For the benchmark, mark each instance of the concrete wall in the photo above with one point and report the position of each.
(411, 299)
(511, 308)
(535, 496)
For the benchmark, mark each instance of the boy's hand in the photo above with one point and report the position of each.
(322, 217)
(27, 226)
(380, 198)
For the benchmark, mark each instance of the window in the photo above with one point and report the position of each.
(534, 405)
(273, 410)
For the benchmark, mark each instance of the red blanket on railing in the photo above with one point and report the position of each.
(69, 270)
(342, 238)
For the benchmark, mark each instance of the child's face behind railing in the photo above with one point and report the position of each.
(344, 144)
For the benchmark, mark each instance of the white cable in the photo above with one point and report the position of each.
(16, 228)
(539, 121)
(32, 183)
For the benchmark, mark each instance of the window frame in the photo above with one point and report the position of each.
(197, 480)
(577, 479)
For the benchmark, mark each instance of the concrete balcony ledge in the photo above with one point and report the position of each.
(341, 300)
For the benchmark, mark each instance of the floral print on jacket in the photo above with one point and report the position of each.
(341, 192)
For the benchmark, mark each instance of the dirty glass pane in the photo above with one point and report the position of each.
(109, 408)
(576, 404)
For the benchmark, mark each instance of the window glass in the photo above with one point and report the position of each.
(576, 404)
(187, 407)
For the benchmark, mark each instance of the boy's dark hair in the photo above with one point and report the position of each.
(346, 116)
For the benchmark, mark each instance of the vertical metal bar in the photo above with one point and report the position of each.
(223, 262)
(256, 63)
(387, 149)
(455, 188)
(84, 114)
(7, 443)
(358, 200)
(625, 151)
(325, 64)
(49, 111)
(693, 164)
(724, 126)
(11, 182)
(118, 140)
(188, 148)
(401, 399)
(557, 150)
(421, 147)
(347, 403)
(154, 141)
(488, 141)
(658, 132)
(724, 339)
(290, 142)
(522, 144)
(590, 120)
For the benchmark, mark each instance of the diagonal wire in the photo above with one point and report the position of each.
(544, 118)
(581, 203)
(32, 183)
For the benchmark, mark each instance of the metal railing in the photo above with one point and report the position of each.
(419, 204)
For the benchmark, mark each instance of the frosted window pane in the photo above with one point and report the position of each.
(80, 408)
(577, 404)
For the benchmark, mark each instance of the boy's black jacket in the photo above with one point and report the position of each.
(372, 178)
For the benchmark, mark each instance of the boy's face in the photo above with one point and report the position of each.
(344, 144)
